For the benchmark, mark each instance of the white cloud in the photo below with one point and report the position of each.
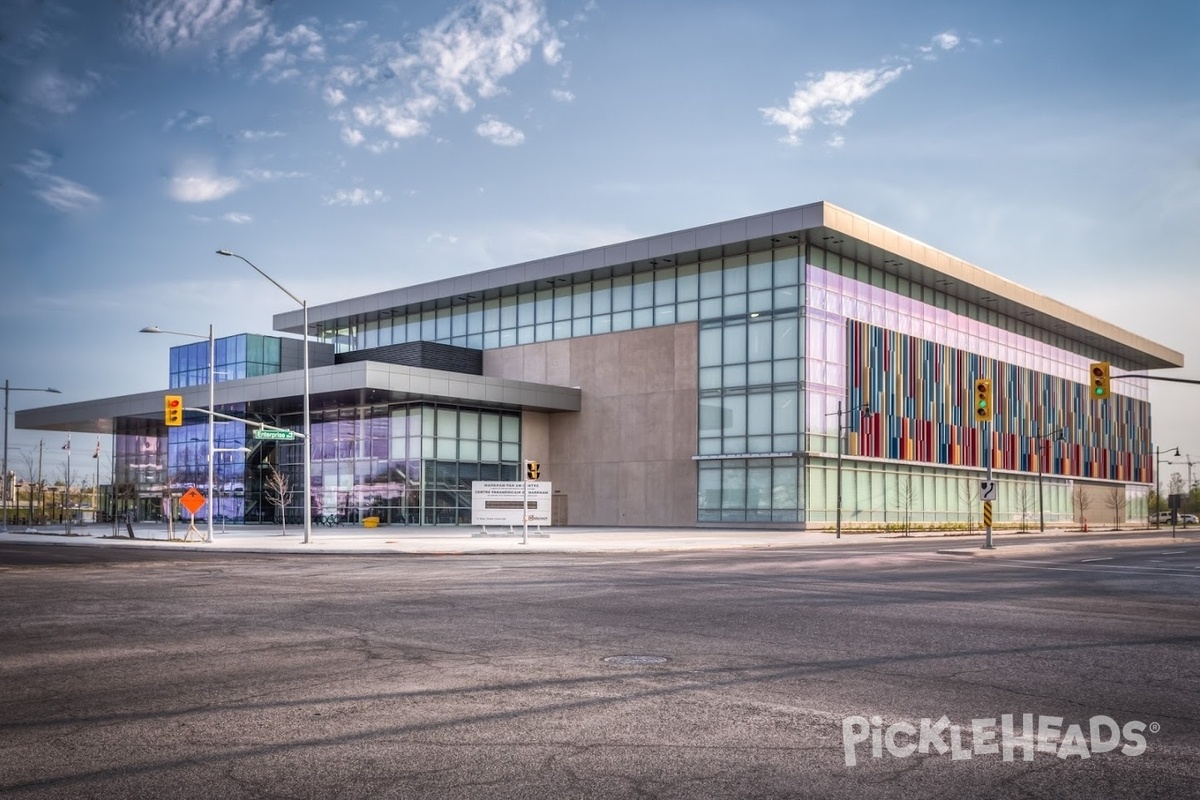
(830, 99)
(272, 174)
(944, 41)
(501, 133)
(306, 39)
(199, 184)
(562, 95)
(347, 30)
(55, 191)
(463, 58)
(356, 197)
(65, 195)
(453, 64)
(400, 122)
(59, 94)
(188, 121)
(379, 148)
(161, 26)
(237, 218)
(256, 136)
(333, 96)
(301, 43)
(441, 237)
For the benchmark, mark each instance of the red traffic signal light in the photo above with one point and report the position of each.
(173, 410)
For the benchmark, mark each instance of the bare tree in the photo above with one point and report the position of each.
(31, 478)
(968, 490)
(1176, 484)
(1081, 500)
(1115, 499)
(905, 498)
(68, 482)
(278, 491)
(1026, 501)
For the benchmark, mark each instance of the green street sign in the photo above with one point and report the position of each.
(274, 436)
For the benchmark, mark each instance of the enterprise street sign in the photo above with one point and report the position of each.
(275, 436)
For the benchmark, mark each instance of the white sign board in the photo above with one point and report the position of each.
(987, 490)
(503, 502)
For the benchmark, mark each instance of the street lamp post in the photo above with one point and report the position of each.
(863, 410)
(7, 389)
(1044, 440)
(212, 407)
(306, 408)
(1158, 479)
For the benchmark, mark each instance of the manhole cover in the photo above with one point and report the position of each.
(635, 660)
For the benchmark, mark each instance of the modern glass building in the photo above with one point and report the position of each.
(725, 374)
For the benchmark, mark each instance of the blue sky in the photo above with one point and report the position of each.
(355, 147)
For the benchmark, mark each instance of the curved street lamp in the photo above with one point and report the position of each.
(307, 415)
(212, 418)
(4, 478)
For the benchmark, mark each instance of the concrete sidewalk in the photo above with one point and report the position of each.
(463, 541)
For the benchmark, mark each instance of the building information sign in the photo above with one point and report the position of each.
(503, 502)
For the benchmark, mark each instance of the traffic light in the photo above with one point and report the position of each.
(1100, 379)
(983, 400)
(532, 470)
(173, 408)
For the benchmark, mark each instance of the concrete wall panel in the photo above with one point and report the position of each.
(625, 458)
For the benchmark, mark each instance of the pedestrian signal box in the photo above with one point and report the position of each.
(532, 470)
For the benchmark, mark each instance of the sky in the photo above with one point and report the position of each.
(356, 147)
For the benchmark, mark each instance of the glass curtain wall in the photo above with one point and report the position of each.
(747, 386)
(749, 389)
(246, 355)
(410, 465)
(852, 311)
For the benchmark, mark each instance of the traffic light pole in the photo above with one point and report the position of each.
(984, 412)
(525, 508)
(987, 540)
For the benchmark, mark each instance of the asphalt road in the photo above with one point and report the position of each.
(171, 674)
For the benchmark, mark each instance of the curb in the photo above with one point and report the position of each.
(1019, 549)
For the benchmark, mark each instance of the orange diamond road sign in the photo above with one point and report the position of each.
(192, 500)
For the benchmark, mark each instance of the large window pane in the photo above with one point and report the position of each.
(758, 414)
(758, 487)
(734, 344)
(733, 487)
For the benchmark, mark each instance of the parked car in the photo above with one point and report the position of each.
(1164, 518)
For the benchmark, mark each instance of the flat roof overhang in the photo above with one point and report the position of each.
(822, 224)
(357, 383)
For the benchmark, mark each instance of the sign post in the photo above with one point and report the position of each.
(193, 501)
(274, 435)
